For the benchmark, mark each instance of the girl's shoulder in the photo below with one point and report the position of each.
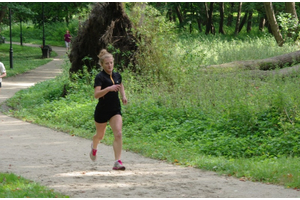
(100, 74)
(116, 74)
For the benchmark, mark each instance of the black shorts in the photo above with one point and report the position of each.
(0, 85)
(103, 117)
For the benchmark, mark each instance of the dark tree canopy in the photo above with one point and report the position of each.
(108, 25)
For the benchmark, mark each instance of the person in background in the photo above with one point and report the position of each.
(107, 86)
(2, 73)
(67, 40)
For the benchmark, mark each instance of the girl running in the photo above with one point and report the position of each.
(107, 86)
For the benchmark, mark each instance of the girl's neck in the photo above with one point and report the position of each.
(109, 73)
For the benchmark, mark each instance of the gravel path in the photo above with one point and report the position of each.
(60, 161)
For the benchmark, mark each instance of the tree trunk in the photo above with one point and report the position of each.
(170, 14)
(3, 10)
(221, 27)
(281, 61)
(243, 21)
(273, 23)
(238, 19)
(262, 22)
(207, 16)
(284, 72)
(249, 22)
(199, 25)
(191, 7)
(290, 7)
(209, 26)
(230, 16)
(178, 12)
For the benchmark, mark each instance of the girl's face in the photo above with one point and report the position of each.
(108, 65)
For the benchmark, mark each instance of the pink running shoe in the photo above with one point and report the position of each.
(118, 165)
(93, 153)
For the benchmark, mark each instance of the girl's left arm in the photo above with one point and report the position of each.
(123, 96)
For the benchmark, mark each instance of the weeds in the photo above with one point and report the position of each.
(232, 123)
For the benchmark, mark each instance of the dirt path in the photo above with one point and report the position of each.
(61, 162)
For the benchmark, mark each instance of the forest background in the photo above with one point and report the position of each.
(231, 121)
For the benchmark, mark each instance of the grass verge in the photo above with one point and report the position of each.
(13, 186)
(236, 125)
(25, 58)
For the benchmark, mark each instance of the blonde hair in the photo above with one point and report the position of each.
(102, 55)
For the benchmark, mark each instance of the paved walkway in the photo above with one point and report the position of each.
(13, 84)
(60, 161)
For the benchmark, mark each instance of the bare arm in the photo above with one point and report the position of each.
(3, 75)
(123, 96)
(98, 93)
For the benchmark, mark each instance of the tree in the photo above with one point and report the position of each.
(107, 27)
(249, 22)
(191, 14)
(273, 23)
(3, 9)
(56, 11)
(209, 25)
(221, 27)
(280, 61)
(238, 19)
(243, 22)
(230, 15)
(178, 12)
(290, 7)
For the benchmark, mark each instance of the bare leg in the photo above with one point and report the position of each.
(116, 124)
(100, 131)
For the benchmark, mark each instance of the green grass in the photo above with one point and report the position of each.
(25, 58)
(235, 125)
(232, 123)
(13, 186)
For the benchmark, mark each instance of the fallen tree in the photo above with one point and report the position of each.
(281, 73)
(108, 26)
(281, 61)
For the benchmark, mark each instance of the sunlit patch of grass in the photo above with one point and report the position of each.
(24, 59)
(13, 186)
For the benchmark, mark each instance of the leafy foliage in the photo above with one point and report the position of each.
(232, 123)
(289, 26)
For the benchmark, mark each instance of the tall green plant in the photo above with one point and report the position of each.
(289, 26)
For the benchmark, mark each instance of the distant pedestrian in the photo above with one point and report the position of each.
(67, 40)
(2, 73)
(107, 86)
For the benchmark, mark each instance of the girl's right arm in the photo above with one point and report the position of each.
(98, 93)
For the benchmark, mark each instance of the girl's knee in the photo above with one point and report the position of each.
(99, 136)
(118, 135)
